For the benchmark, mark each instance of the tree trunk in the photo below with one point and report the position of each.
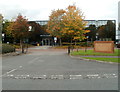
(71, 42)
(75, 42)
(60, 42)
(21, 45)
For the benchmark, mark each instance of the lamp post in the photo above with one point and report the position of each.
(97, 36)
(3, 36)
(30, 28)
(86, 44)
(55, 40)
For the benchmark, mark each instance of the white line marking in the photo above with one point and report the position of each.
(34, 60)
(10, 71)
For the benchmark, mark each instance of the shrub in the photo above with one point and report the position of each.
(16, 46)
(7, 48)
(82, 44)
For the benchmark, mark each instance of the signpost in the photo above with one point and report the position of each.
(104, 46)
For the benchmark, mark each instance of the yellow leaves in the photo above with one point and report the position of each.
(76, 38)
(77, 32)
(69, 22)
(63, 32)
(72, 7)
(71, 31)
(86, 31)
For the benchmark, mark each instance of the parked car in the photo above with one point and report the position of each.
(118, 45)
(34, 43)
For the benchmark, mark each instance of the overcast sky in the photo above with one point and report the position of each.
(41, 9)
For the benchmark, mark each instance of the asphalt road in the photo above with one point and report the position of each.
(48, 69)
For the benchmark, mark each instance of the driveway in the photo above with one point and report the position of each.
(44, 68)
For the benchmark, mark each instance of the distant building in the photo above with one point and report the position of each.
(47, 39)
(89, 22)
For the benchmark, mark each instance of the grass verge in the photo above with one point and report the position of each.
(91, 52)
(103, 59)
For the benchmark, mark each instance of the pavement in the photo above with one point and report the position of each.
(44, 68)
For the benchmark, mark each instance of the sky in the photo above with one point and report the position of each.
(41, 9)
(119, 12)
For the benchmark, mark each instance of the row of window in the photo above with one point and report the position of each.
(89, 22)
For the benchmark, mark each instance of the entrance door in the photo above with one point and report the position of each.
(46, 42)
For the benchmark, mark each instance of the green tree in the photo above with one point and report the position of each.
(107, 31)
(8, 37)
(92, 33)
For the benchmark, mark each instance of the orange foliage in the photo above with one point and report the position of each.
(19, 28)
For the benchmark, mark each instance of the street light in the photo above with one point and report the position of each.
(30, 28)
(55, 40)
(86, 44)
(97, 36)
(3, 36)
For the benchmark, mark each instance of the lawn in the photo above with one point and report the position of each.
(103, 59)
(91, 52)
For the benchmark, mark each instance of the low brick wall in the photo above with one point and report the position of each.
(104, 46)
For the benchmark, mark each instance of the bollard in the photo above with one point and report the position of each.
(38, 44)
(68, 50)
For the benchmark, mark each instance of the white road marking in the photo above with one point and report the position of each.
(10, 71)
(32, 61)
(60, 77)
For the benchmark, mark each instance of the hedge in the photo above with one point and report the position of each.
(82, 44)
(7, 48)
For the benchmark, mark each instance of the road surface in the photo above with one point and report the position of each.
(52, 69)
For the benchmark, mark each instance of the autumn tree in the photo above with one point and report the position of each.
(67, 23)
(19, 29)
(55, 23)
(74, 24)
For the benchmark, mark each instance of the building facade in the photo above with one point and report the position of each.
(47, 39)
(89, 22)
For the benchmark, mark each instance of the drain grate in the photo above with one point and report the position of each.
(60, 77)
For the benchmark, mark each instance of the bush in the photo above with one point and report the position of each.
(7, 48)
(82, 44)
(16, 46)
